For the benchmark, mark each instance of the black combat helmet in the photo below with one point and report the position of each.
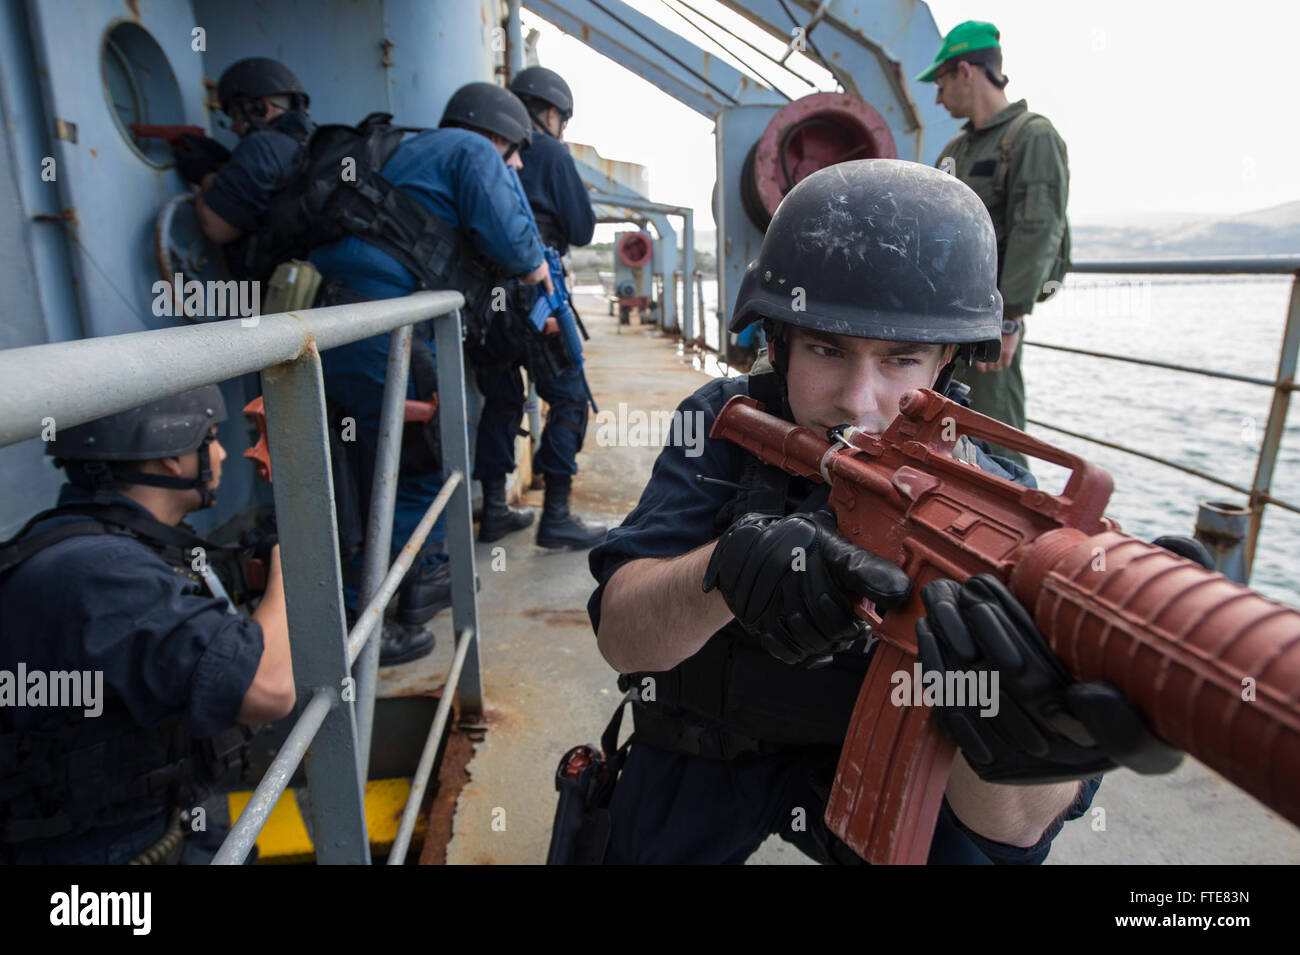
(539, 83)
(166, 428)
(884, 249)
(489, 108)
(258, 76)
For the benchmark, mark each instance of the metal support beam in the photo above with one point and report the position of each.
(688, 74)
(688, 277)
(609, 192)
(460, 524)
(313, 590)
(1273, 431)
(379, 527)
(874, 50)
(514, 39)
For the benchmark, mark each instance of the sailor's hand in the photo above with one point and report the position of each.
(552, 326)
(789, 582)
(1188, 547)
(542, 275)
(1038, 725)
(198, 157)
(1009, 344)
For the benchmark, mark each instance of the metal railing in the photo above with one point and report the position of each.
(1259, 494)
(332, 733)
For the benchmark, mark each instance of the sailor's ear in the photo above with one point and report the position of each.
(173, 466)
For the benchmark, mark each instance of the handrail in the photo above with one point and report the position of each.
(1209, 264)
(46, 385)
(1259, 494)
(133, 369)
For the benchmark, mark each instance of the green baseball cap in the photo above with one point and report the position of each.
(962, 39)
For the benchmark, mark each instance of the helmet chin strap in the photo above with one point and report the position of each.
(99, 478)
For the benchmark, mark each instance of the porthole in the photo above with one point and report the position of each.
(140, 88)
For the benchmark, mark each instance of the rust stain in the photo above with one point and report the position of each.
(134, 7)
(453, 774)
(568, 617)
(94, 154)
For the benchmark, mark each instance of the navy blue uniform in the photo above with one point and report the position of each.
(671, 807)
(166, 648)
(564, 217)
(559, 199)
(258, 167)
(461, 177)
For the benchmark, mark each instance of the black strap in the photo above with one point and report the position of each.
(18, 552)
(615, 755)
(172, 543)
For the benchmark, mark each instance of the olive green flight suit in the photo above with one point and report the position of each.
(1029, 219)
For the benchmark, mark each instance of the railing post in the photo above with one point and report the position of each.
(460, 522)
(688, 278)
(1286, 369)
(313, 586)
(1221, 527)
(379, 528)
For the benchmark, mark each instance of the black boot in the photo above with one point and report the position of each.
(399, 643)
(558, 528)
(499, 518)
(424, 591)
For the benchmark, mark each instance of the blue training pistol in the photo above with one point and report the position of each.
(557, 304)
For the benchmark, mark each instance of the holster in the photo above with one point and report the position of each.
(585, 780)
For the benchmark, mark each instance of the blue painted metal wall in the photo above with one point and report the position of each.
(92, 273)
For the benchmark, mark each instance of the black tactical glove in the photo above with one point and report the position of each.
(797, 602)
(258, 540)
(1188, 547)
(196, 156)
(1047, 727)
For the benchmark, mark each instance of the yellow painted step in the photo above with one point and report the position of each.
(284, 838)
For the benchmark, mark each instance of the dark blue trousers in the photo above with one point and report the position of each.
(354, 380)
(503, 412)
(671, 809)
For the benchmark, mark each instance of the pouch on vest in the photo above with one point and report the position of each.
(293, 285)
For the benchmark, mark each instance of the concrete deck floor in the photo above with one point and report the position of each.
(547, 688)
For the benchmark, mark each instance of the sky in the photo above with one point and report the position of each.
(1165, 105)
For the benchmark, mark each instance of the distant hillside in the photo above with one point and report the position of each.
(1272, 231)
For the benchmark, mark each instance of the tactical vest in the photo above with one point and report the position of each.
(550, 230)
(997, 202)
(733, 697)
(74, 774)
(337, 189)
